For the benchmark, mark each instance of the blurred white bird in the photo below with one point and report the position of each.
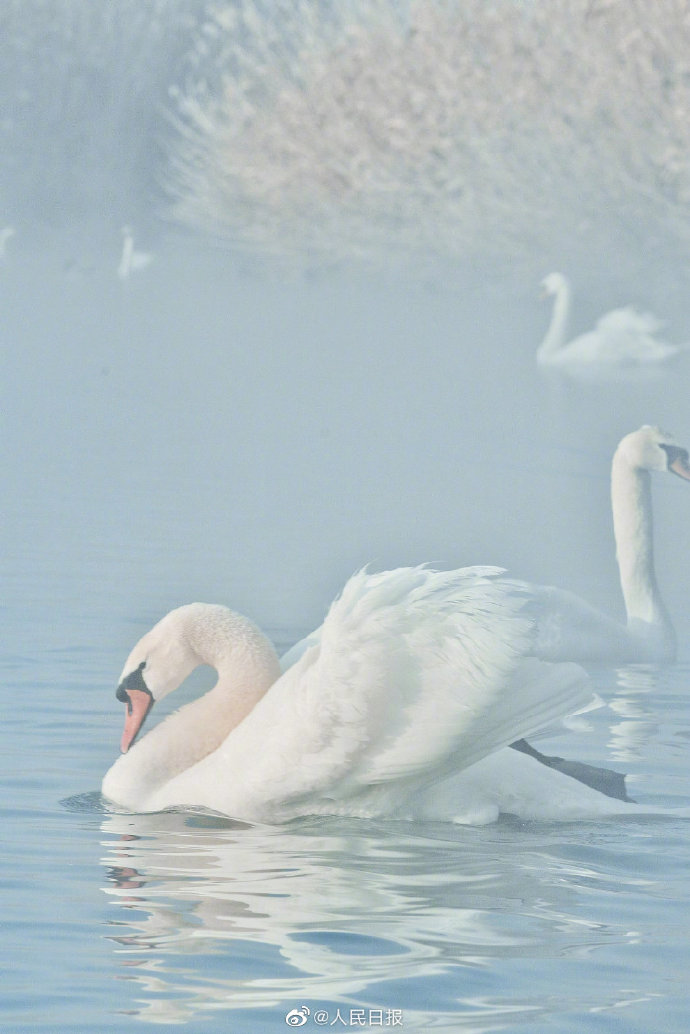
(569, 628)
(131, 260)
(5, 234)
(620, 338)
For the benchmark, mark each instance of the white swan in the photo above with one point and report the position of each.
(6, 234)
(571, 629)
(131, 260)
(418, 681)
(621, 338)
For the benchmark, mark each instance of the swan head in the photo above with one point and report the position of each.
(194, 634)
(650, 448)
(158, 664)
(554, 283)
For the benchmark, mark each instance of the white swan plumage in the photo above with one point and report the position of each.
(569, 628)
(621, 338)
(402, 706)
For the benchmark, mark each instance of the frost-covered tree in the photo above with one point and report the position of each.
(453, 127)
(465, 130)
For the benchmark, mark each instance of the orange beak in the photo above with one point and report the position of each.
(138, 706)
(680, 467)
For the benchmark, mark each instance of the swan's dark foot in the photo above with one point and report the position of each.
(612, 784)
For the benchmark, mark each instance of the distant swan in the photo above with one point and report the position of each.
(6, 233)
(621, 338)
(568, 627)
(403, 708)
(131, 260)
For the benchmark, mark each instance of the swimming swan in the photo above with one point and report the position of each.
(621, 338)
(6, 233)
(131, 260)
(403, 708)
(571, 629)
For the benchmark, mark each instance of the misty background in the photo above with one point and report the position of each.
(320, 353)
(329, 359)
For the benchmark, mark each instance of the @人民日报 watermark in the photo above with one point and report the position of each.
(302, 1015)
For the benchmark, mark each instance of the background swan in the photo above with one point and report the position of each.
(622, 337)
(402, 708)
(568, 628)
(131, 260)
(6, 234)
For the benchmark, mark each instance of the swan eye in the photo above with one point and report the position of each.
(135, 680)
(674, 453)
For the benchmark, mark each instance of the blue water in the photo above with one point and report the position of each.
(117, 921)
(237, 439)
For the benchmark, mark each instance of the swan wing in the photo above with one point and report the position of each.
(296, 652)
(629, 321)
(614, 347)
(413, 674)
(628, 336)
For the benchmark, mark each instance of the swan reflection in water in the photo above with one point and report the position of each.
(649, 732)
(213, 914)
(637, 724)
(309, 912)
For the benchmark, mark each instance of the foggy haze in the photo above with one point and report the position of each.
(268, 418)
(270, 306)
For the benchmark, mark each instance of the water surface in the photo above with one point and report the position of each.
(203, 434)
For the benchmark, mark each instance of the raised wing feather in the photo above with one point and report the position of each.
(627, 335)
(629, 321)
(414, 673)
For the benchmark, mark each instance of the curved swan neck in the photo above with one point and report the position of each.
(555, 335)
(247, 665)
(633, 529)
